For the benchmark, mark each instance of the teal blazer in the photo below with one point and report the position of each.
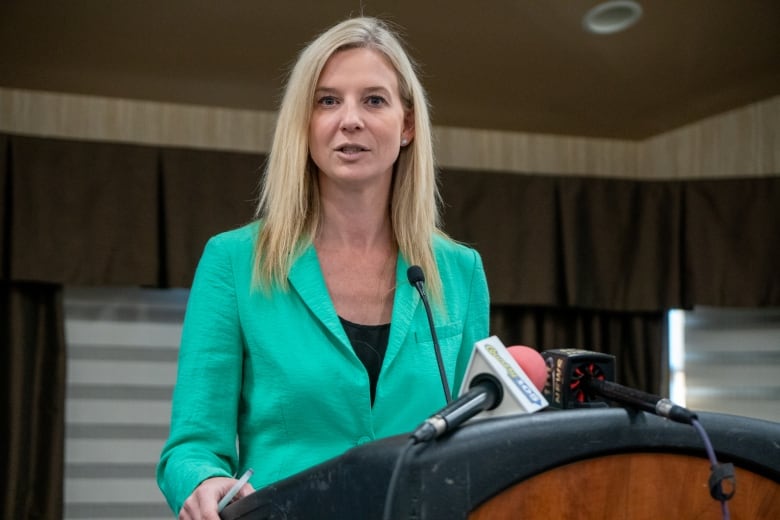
(270, 381)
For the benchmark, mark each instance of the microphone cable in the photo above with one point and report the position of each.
(400, 462)
(718, 473)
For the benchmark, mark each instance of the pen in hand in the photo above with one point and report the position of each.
(234, 490)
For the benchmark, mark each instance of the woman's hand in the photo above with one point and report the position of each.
(202, 503)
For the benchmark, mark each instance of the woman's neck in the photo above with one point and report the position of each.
(358, 225)
(357, 253)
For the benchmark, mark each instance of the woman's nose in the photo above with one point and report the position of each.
(351, 117)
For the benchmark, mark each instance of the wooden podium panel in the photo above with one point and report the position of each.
(636, 486)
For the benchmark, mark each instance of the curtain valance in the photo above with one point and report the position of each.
(94, 213)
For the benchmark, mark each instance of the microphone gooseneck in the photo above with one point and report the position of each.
(417, 280)
(641, 400)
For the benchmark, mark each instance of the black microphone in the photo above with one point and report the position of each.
(417, 279)
(582, 379)
(485, 393)
(642, 400)
(495, 382)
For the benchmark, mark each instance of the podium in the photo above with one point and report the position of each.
(605, 463)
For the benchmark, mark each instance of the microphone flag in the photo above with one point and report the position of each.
(490, 356)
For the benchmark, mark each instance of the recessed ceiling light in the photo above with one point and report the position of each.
(611, 17)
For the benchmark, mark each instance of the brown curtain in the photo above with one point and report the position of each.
(82, 213)
(33, 400)
(88, 213)
(32, 377)
(594, 263)
(732, 236)
(92, 213)
(577, 242)
(575, 262)
(635, 339)
(201, 193)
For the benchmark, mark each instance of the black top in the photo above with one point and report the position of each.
(369, 343)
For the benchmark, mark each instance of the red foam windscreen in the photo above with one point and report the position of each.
(532, 363)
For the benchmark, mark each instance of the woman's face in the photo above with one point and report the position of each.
(358, 120)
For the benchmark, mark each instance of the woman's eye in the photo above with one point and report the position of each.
(327, 101)
(376, 100)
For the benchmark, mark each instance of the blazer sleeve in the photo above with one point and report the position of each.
(202, 440)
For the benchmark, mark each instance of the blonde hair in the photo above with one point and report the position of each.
(289, 202)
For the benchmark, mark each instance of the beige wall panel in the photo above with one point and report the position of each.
(534, 153)
(144, 122)
(745, 142)
(742, 142)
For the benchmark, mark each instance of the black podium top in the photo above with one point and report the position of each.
(453, 475)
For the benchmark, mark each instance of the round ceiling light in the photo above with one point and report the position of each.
(611, 17)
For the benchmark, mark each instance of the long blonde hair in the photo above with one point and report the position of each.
(289, 202)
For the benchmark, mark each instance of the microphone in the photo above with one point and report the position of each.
(584, 379)
(417, 280)
(531, 362)
(494, 385)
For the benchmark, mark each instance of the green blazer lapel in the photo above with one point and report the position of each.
(307, 280)
(405, 305)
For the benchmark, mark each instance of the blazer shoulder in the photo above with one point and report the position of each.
(447, 249)
(235, 248)
(237, 237)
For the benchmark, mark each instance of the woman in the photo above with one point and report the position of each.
(302, 336)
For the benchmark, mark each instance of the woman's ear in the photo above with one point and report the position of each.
(408, 132)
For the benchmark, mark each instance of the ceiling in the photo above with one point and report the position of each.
(522, 65)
